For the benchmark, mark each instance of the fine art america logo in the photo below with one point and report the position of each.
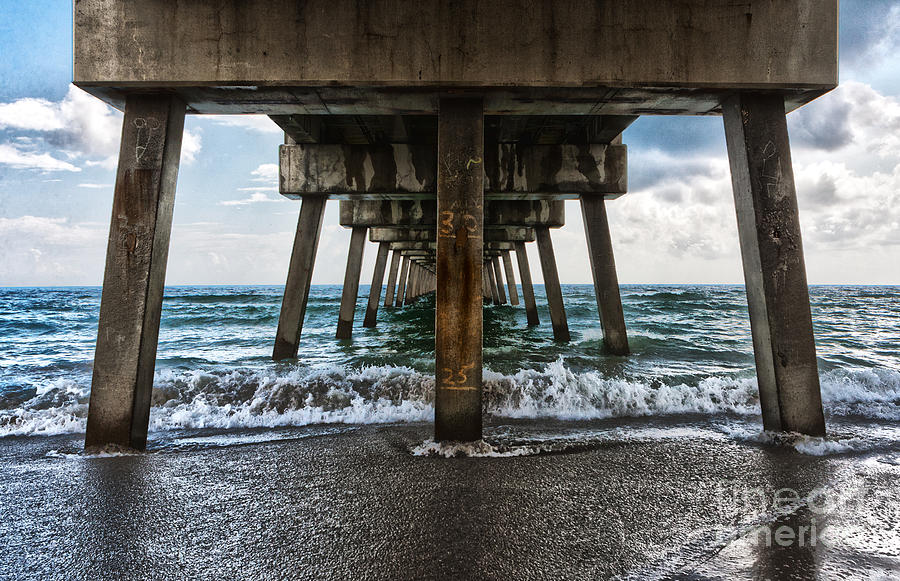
(786, 517)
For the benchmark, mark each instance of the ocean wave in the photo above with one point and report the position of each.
(329, 394)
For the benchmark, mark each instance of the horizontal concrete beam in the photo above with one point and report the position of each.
(419, 213)
(402, 170)
(253, 44)
(432, 246)
(501, 234)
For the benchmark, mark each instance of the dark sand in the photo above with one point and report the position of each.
(355, 504)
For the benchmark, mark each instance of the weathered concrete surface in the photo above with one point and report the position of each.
(527, 286)
(510, 279)
(375, 288)
(606, 281)
(136, 255)
(215, 52)
(401, 286)
(299, 278)
(551, 285)
(392, 278)
(774, 271)
(402, 170)
(419, 213)
(498, 234)
(351, 283)
(458, 303)
(498, 278)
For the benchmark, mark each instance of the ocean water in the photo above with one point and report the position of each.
(692, 356)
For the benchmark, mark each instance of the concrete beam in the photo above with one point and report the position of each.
(244, 47)
(775, 274)
(458, 306)
(420, 213)
(408, 171)
(299, 278)
(136, 254)
(500, 234)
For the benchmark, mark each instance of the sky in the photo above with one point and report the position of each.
(58, 149)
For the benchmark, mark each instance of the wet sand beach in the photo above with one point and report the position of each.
(643, 499)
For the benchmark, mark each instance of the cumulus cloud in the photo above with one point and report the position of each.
(265, 178)
(79, 126)
(17, 158)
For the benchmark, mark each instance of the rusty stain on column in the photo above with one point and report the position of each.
(458, 303)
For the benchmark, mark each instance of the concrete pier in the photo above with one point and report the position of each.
(392, 279)
(774, 271)
(551, 285)
(351, 283)
(458, 322)
(454, 154)
(144, 198)
(527, 286)
(510, 278)
(375, 288)
(603, 268)
(299, 279)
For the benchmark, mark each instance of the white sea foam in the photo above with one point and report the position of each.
(330, 394)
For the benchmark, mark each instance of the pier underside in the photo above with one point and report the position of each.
(453, 161)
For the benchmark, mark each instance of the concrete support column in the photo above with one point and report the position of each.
(486, 286)
(603, 267)
(392, 279)
(551, 284)
(375, 289)
(299, 278)
(143, 201)
(351, 283)
(498, 276)
(411, 283)
(774, 271)
(527, 286)
(460, 246)
(401, 286)
(492, 282)
(510, 279)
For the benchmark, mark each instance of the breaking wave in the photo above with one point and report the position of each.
(331, 394)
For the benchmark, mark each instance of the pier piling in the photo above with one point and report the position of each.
(131, 304)
(551, 285)
(774, 271)
(527, 286)
(510, 279)
(603, 268)
(392, 279)
(375, 289)
(458, 316)
(351, 283)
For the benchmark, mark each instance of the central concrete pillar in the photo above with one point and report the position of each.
(551, 284)
(375, 289)
(351, 283)
(510, 279)
(498, 276)
(492, 282)
(392, 279)
(143, 201)
(527, 286)
(603, 267)
(299, 278)
(774, 271)
(401, 286)
(458, 304)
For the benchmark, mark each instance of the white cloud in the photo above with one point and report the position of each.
(255, 198)
(80, 126)
(96, 186)
(42, 250)
(18, 159)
